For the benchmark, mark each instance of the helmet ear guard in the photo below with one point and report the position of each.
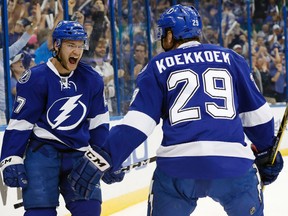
(185, 22)
(160, 33)
(58, 42)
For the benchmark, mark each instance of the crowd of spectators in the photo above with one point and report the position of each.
(268, 59)
(267, 40)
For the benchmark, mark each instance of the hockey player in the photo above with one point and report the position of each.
(207, 100)
(59, 113)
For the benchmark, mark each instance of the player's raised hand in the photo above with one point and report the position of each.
(88, 171)
(14, 174)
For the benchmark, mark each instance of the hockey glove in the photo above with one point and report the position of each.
(268, 172)
(87, 172)
(111, 177)
(14, 173)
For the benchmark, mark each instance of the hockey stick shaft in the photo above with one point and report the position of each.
(279, 135)
(138, 164)
(123, 169)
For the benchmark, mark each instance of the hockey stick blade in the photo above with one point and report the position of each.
(18, 205)
(123, 169)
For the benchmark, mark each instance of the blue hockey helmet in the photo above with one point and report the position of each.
(185, 22)
(69, 30)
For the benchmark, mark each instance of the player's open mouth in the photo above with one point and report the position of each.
(73, 60)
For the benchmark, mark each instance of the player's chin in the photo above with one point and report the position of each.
(71, 67)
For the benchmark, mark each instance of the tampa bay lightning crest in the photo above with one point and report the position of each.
(66, 113)
(25, 76)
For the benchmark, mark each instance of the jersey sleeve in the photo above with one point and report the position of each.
(143, 116)
(99, 115)
(28, 106)
(254, 111)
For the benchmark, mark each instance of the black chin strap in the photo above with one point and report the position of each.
(55, 55)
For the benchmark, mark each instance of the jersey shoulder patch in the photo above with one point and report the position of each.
(25, 76)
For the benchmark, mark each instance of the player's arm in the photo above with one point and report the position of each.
(99, 115)
(143, 116)
(99, 127)
(136, 126)
(255, 113)
(27, 109)
(258, 124)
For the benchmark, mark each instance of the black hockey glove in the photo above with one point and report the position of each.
(111, 177)
(88, 171)
(268, 172)
(14, 174)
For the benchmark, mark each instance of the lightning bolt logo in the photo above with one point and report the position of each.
(65, 112)
(66, 108)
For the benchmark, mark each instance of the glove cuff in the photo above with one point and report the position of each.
(11, 160)
(98, 160)
(264, 158)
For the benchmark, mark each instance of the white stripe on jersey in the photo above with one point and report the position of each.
(99, 120)
(206, 148)
(140, 121)
(256, 117)
(44, 134)
(20, 125)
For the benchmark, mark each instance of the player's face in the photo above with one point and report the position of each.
(70, 54)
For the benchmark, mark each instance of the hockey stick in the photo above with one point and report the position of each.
(279, 136)
(18, 205)
(123, 169)
(138, 164)
(278, 139)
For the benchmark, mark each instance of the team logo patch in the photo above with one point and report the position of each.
(66, 113)
(25, 76)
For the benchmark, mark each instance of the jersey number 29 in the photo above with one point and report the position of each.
(179, 112)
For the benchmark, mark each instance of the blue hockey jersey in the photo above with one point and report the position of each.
(67, 112)
(208, 100)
